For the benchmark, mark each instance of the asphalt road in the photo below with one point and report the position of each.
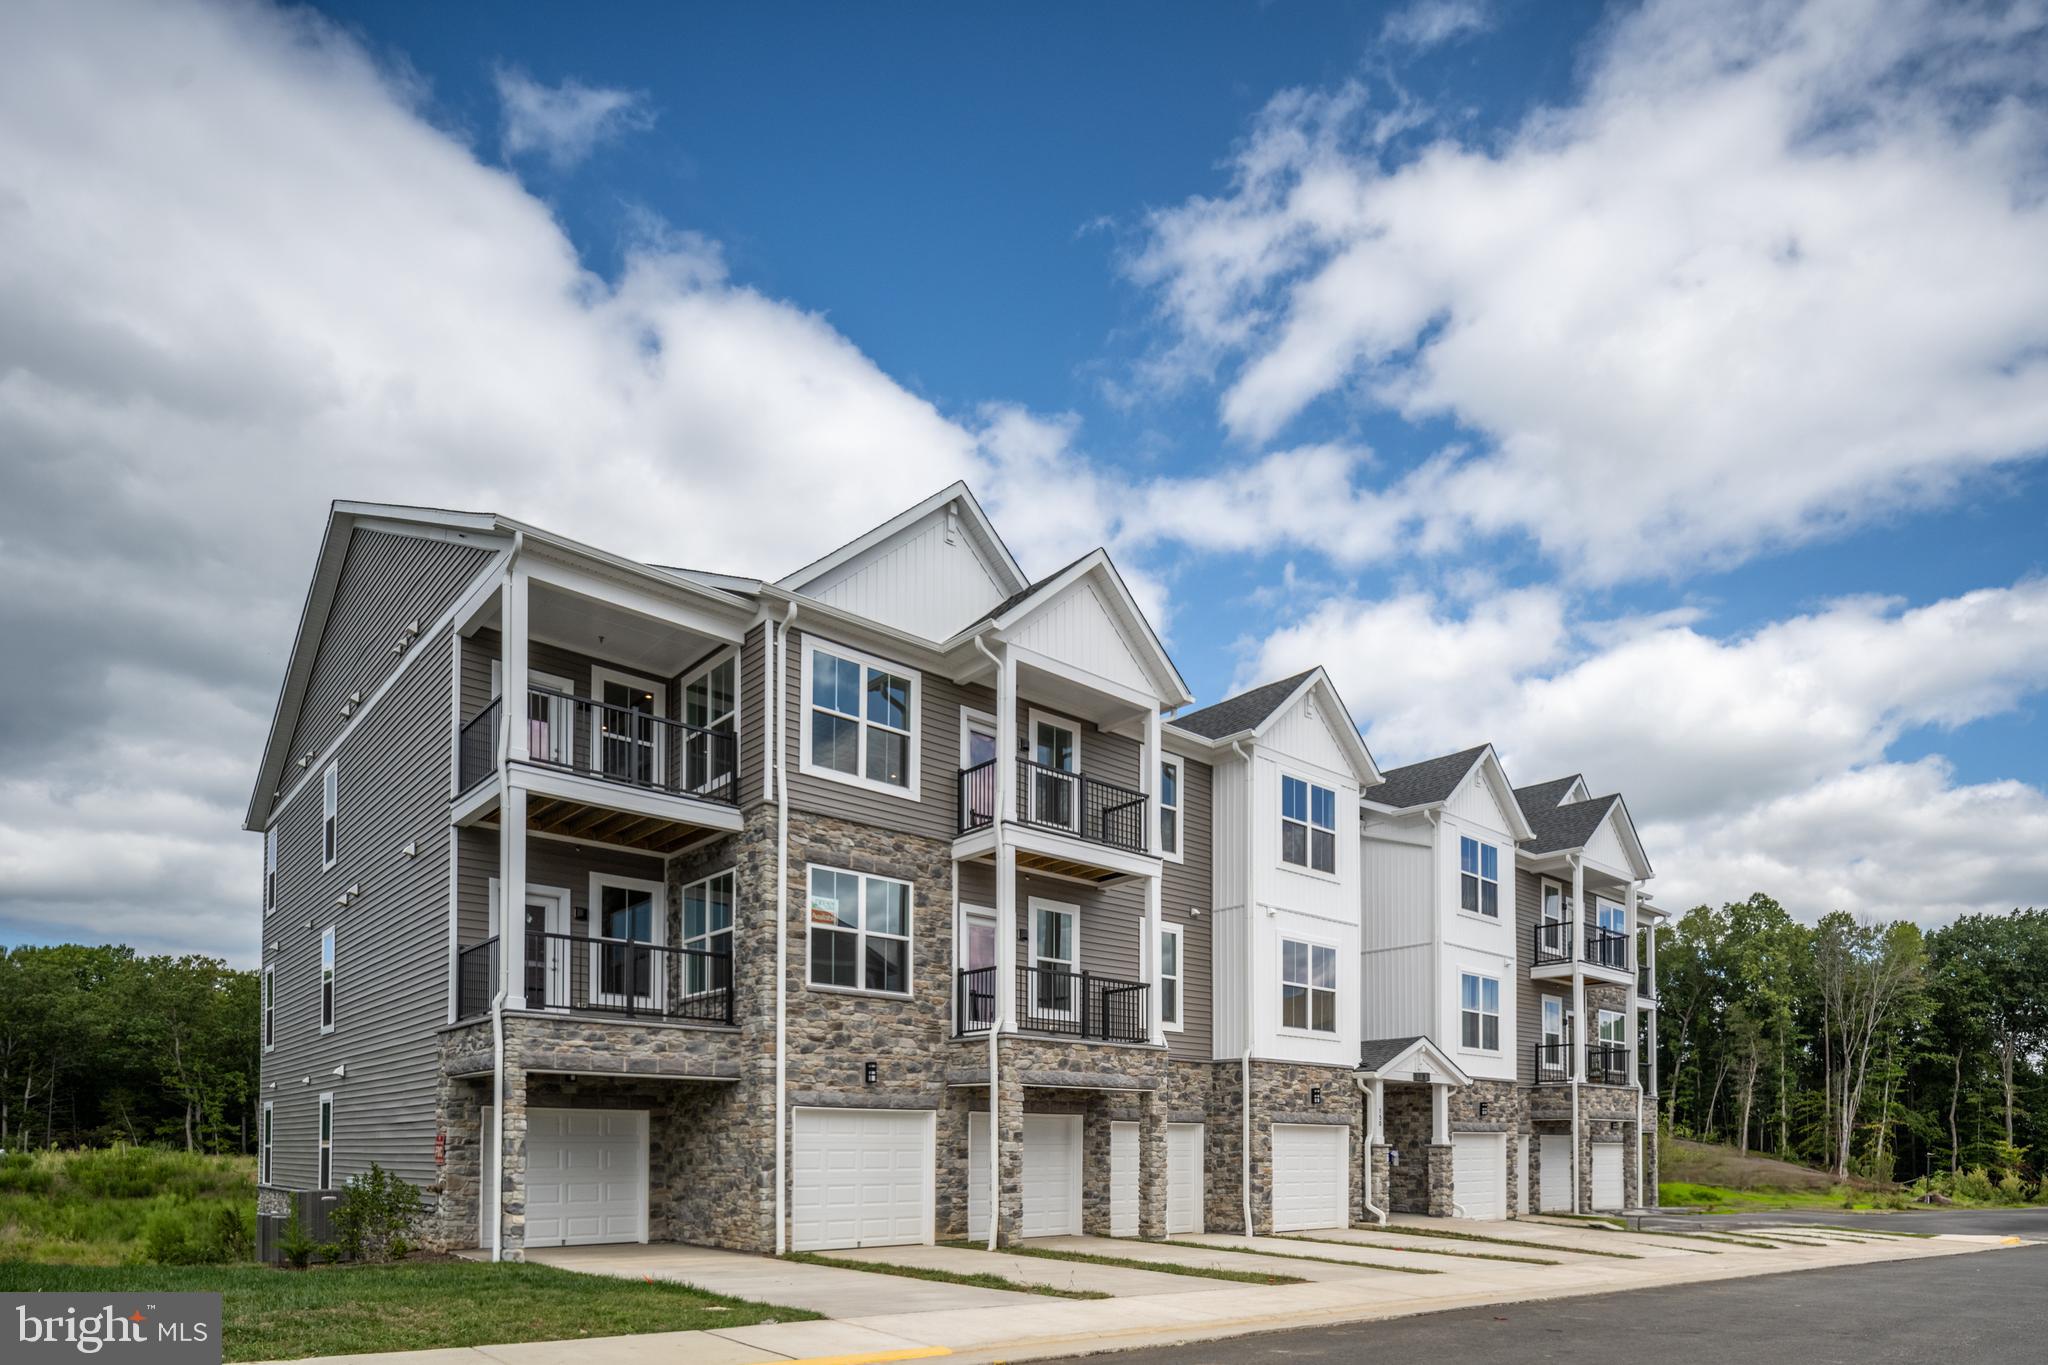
(2029, 1223)
(1956, 1309)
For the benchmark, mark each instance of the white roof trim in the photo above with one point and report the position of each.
(1503, 793)
(1404, 1062)
(1097, 565)
(977, 521)
(1363, 768)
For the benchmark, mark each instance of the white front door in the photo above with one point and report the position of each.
(1479, 1175)
(1183, 1178)
(627, 737)
(977, 954)
(586, 1176)
(1123, 1180)
(860, 1177)
(1055, 786)
(1554, 1163)
(1309, 1185)
(1052, 1176)
(1608, 1195)
(542, 941)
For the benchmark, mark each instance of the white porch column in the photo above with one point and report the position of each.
(512, 892)
(1006, 854)
(1440, 1115)
(1650, 1042)
(1376, 1133)
(1155, 1010)
(512, 670)
(1629, 1019)
(1580, 1027)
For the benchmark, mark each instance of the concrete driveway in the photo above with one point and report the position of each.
(1069, 1275)
(822, 1289)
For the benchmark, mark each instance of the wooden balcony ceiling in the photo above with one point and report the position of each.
(1031, 861)
(626, 829)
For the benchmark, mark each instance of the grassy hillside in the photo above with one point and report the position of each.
(126, 1206)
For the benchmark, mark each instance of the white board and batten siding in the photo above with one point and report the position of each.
(1396, 994)
(1076, 628)
(929, 580)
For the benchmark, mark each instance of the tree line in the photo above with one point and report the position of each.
(101, 1045)
(1865, 1048)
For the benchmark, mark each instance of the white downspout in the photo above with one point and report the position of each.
(1244, 1142)
(505, 903)
(1371, 1093)
(1578, 1039)
(995, 1024)
(781, 929)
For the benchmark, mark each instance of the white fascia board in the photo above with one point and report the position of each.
(1503, 794)
(978, 525)
(1626, 828)
(1364, 769)
(1404, 1062)
(901, 645)
(1173, 689)
(631, 570)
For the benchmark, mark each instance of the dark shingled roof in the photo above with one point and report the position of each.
(1543, 795)
(1562, 827)
(1375, 1053)
(1016, 597)
(1245, 711)
(1424, 783)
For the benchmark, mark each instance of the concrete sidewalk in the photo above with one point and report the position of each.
(1009, 1327)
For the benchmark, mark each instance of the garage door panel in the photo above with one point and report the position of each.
(860, 1177)
(1479, 1174)
(1123, 1180)
(1184, 1148)
(1309, 1185)
(1608, 1194)
(586, 1178)
(1052, 1176)
(1554, 1163)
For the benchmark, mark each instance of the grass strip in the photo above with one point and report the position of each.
(271, 1314)
(1411, 1230)
(1869, 1232)
(1131, 1263)
(1297, 1256)
(918, 1272)
(1723, 1237)
(1421, 1251)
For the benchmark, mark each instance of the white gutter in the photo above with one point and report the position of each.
(1575, 1045)
(781, 928)
(505, 903)
(1375, 1096)
(1244, 1144)
(995, 1024)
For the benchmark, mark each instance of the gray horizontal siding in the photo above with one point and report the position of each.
(390, 943)
(1188, 886)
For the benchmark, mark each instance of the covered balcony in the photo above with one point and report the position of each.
(578, 974)
(1053, 1002)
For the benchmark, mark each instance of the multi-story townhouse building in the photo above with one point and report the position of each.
(1586, 1004)
(1287, 1116)
(1440, 984)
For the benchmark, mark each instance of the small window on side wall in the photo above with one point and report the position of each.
(1308, 825)
(330, 815)
(1479, 878)
(1169, 807)
(1308, 986)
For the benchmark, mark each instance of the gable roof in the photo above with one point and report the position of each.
(1570, 827)
(996, 552)
(1545, 795)
(1426, 783)
(1245, 711)
(1378, 1056)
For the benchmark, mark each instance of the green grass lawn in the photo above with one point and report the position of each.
(335, 1310)
(978, 1280)
(1133, 1263)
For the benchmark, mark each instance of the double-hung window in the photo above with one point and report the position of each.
(1308, 986)
(707, 934)
(1613, 1040)
(1170, 973)
(269, 1008)
(1169, 808)
(270, 869)
(861, 720)
(326, 1180)
(1479, 1012)
(860, 931)
(711, 707)
(327, 982)
(1613, 946)
(1479, 877)
(263, 1174)
(330, 814)
(1308, 825)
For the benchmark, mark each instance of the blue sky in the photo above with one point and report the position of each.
(1652, 389)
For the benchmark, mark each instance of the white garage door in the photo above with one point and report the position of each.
(1607, 1191)
(586, 1176)
(1183, 1178)
(1554, 1160)
(1309, 1189)
(860, 1178)
(1052, 1176)
(1479, 1175)
(1123, 1180)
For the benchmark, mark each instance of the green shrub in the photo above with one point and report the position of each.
(1973, 1186)
(182, 1233)
(294, 1248)
(376, 1208)
(21, 1173)
(2012, 1189)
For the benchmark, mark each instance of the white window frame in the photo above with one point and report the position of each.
(323, 1142)
(657, 976)
(1600, 1022)
(1601, 907)
(329, 1008)
(735, 655)
(264, 1146)
(1562, 1036)
(1480, 881)
(1545, 890)
(1034, 954)
(330, 815)
(1179, 977)
(1030, 778)
(1335, 990)
(1179, 806)
(269, 1007)
(1308, 828)
(704, 940)
(914, 760)
(270, 869)
(1482, 1014)
(654, 687)
(908, 937)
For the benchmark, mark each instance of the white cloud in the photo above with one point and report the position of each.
(1735, 753)
(1776, 272)
(1430, 23)
(564, 123)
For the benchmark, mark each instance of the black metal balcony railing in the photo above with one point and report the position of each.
(1551, 941)
(1553, 1063)
(1051, 1000)
(613, 743)
(1052, 798)
(1606, 948)
(1646, 983)
(1607, 1064)
(608, 976)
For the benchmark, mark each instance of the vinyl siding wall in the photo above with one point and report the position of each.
(1189, 886)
